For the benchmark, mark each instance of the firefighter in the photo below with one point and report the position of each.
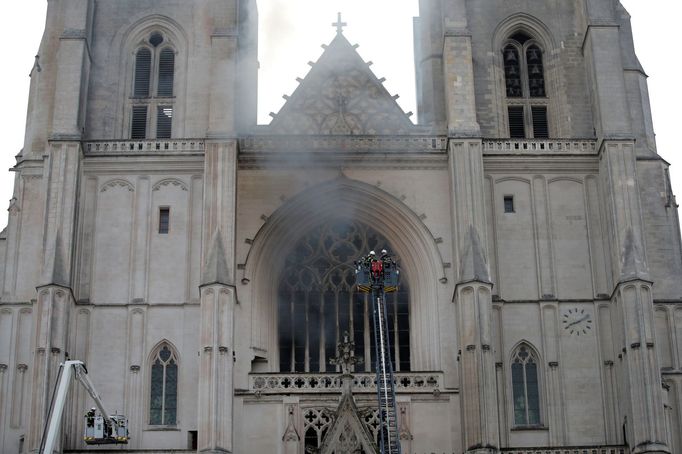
(90, 417)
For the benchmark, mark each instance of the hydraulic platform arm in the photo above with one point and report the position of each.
(70, 370)
(378, 276)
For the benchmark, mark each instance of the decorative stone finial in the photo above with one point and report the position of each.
(345, 355)
(339, 24)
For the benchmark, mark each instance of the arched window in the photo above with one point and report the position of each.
(524, 75)
(318, 301)
(525, 386)
(152, 95)
(163, 395)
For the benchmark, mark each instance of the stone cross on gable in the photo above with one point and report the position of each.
(345, 355)
(339, 25)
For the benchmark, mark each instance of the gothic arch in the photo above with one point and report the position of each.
(534, 353)
(178, 183)
(127, 41)
(522, 22)
(339, 199)
(544, 38)
(148, 377)
(117, 182)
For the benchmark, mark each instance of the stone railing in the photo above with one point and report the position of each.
(350, 144)
(144, 146)
(406, 382)
(539, 146)
(570, 450)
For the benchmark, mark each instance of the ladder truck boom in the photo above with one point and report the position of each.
(379, 276)
(114, 428)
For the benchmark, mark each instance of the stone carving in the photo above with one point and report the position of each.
(117, 183)
(170, 182)
(345, 355)
(13, 207)
(412, 382)
(290, 434)
(341, 96)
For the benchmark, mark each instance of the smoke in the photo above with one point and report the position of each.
(292, 31)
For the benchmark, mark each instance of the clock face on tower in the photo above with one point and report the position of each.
(577, 321)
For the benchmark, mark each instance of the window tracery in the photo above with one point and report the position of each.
(317, 301)
(163, 396)
(524, 74)
(525, 386)
(316, 423)
(152, 93)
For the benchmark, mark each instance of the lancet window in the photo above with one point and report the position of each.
(318, 301)
(524, 74)
(152, 96)
(525, 387)
(163, 396)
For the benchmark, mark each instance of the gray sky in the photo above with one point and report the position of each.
(292, 32)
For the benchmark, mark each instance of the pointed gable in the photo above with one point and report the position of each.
(341, 96)
(347, 433)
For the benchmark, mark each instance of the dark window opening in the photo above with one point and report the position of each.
(192, 440)
(517, 129)
(525, 388)
(138, 128)
(155, 39)
(166, 71)
(164, 122)
(152, 94)
(520, 37)
(512, 72)
(509, 204)
(536, 73)
(163, 396)
(318, 302)
(540, 126)
(164, 219)
(524, 76)
(143, 65)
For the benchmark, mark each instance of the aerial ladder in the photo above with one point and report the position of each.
(378, 276)
(100, 429)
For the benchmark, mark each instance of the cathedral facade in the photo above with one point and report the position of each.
(201, 265)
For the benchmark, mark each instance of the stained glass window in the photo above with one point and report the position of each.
(525, 387)
(163, 396)
(318, 301)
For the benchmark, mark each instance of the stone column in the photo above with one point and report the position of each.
(217, 299)
(428, 63)
(51, 316)
(473, 299)
(605, 70)
(458, 71)
(215, 368)
(640, 393)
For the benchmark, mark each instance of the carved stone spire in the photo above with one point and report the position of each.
(345, 355)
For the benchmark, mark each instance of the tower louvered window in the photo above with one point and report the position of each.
(152, 100)
(525, 89)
